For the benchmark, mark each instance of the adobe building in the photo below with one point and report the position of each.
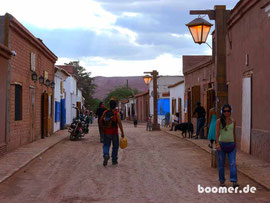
(5, 55)
(199, 72)
(30, 84)
(248, 73)
(142, 106)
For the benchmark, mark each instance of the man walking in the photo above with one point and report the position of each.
(99, 113)
(200, 120)
(110, 121)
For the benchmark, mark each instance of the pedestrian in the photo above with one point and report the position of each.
(110, 121)
(212, 127)
(91, 117)
(135, 121)
(122, 114)
(99, 113)
(200, 120)
(175, 121)
(226, 144)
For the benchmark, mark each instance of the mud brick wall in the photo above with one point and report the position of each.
(21, 74)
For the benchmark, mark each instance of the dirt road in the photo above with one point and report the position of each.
(156, 167)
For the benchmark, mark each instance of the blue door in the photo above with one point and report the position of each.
(63, 114)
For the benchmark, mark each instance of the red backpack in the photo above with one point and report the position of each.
(110, 119)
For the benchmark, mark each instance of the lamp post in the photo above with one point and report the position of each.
(147, 79)
(220, 15)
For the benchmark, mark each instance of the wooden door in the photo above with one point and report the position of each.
(246, 115)
(44, 115)
(195, 97)
(189, 107)
(32, 112)
(173, 106)
(180, 109)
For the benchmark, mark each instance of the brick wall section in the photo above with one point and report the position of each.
(21, 73)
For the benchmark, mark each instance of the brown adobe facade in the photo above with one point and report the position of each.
(248, 73)
(5, 55)
(199, 72)
(30, 104)
(142, 106)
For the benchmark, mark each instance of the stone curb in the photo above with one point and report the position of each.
(17, 169)
(266, 187)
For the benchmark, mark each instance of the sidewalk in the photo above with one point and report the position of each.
(255, 169)
(13, 161)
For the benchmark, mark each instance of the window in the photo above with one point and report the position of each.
(18, 102)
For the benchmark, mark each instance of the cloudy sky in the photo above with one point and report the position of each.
(115, 37)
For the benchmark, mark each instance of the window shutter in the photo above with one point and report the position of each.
(33, 61)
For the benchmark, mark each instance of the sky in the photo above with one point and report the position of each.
(116, 37)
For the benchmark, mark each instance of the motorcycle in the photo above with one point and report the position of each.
(76, 130)
(79, 127)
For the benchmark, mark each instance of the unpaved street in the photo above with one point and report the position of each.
(156, 167)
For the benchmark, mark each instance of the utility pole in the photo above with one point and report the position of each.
(220, 15)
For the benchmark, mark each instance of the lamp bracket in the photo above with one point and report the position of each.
(210, 13)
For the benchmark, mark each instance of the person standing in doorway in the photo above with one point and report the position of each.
(110, 121)
(226, 144)
(135, 121)
(99, 113)
(212, 127)
(175, 121)
(200, 120)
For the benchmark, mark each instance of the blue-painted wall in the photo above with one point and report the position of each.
(163, 106)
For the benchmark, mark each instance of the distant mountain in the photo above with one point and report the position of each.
(106, 84)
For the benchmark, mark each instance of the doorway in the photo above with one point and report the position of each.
(32, 113)
(180, 109)
(44, 114)
(189, 106)
(246, 115)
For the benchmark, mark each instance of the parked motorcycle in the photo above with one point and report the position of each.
(79, 126)
(76, 130)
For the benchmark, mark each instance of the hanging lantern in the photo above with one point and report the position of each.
(41, 80)
(47, 82)
(199, 29)
(52, 84)
(147, 79)
(34, 76)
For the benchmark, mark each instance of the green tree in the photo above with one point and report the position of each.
(85, 83)
(120, 93)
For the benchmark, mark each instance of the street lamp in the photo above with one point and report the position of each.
(47, 82)
(41, 79)
(52, 84)
(199, 29)
(220, 15)
(147, 79)
(34, 76)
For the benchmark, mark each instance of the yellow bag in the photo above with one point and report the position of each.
(123, 143)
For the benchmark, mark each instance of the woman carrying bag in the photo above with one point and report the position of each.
(226, 144)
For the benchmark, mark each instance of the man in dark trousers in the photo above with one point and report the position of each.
(200, 120)
(111, 123)
(99, 113)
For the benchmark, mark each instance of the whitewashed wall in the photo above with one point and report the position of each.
(162, 82)
(70, 87)
(175, 93)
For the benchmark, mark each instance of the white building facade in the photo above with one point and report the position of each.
(59, 98)
(163, 82)
(70, 86)
(177, 95)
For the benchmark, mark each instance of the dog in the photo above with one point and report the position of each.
(185, 127)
